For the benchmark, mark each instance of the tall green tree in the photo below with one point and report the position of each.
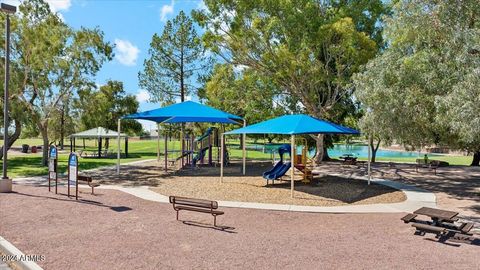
(104, 106)
(175, 57)
(423, 89)
(307, 48)
(51, 61)
(244, 94)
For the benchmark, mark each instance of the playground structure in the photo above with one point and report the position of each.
(194, 150)
(302, 163)
(191, 150)
(291, 125)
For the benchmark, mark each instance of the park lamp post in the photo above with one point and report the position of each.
(6, 183)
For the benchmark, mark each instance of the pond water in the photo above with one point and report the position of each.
(341, 149)
(362, 151)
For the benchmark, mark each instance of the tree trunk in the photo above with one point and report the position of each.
(476, 159)
(182, 75)
(374, 147)
(43, 130)
(325, 157)
(62, 127)
(14, 137)
(320, 154)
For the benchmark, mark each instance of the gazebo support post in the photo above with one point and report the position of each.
(71, 144)
(118, 147)
(293, 152)
(99, 147)
(126, 146)
(369, 168)
(244, 154)
(222, 153)
(158, 142)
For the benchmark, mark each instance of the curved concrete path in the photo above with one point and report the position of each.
(416, 198)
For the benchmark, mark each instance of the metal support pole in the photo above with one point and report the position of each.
(166, 148)
(158, 142)
(222, 157)
(118, 147)
(244, 152)
(5, 97)
(293, 153)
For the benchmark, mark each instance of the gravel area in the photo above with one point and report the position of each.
(114, 230)
(204, 182)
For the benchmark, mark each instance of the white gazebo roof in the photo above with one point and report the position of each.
(98, 132)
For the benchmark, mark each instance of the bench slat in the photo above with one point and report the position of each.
(193, 202)
(216, 212)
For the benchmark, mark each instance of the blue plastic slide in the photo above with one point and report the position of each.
(281, 168)
(278, 171)
(199, 155)
(274, 169)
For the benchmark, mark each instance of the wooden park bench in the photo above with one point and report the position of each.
(89, 181)
(196, 205)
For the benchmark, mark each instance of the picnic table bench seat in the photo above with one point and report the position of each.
(408, 218)
(466, 227)
(425, 228)
(196, 205)
(89, 181)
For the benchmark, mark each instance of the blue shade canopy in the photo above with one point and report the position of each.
(186, 112)
(294, 124)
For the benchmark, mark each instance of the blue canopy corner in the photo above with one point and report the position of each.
(295, 124)
(186, 112)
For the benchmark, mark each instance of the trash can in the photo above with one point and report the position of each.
(34, 149)
(25, 148)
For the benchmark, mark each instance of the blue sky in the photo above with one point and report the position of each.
(130, 24)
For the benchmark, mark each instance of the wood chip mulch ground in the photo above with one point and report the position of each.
(204, 182)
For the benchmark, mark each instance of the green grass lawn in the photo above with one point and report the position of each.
(30, 165)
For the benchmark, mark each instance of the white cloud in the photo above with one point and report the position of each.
(55, 5)
(142, 96)
(59, 5)
(166, 10)
(201, 5)
(126, 53)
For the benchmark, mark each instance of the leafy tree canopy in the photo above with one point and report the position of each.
(424, 88)
(103, 107)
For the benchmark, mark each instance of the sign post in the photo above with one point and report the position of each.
(73, 173)
(52, 167)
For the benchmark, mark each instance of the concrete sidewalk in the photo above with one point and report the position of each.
(416, 198)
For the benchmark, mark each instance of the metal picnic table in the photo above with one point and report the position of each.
(442, 224)
(437, 215)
